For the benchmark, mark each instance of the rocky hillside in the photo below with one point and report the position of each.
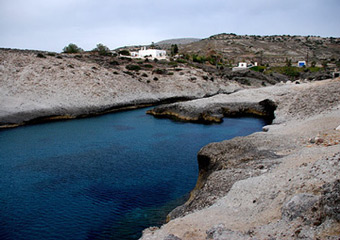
(179, 41)
(43, 86)
(271, 50)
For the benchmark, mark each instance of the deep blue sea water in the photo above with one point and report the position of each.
(105, 177)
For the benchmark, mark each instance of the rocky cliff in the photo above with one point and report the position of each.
(282, 183)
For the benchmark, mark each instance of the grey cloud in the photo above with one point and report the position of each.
(50, 25)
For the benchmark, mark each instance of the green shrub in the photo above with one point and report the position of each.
(314, 69)
(212, 60)
(159, 71)
(291, 72)
(72, 48)
(40, 55)
(125, 52)
(132, 67)
(128, 72)
(258, 68)
(102, 50)
(114, 63)
(126, 58)
(198, 59)
(181, 60)
(147, 66)
(173, 64)
(324, 64)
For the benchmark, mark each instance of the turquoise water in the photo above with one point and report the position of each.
(107, 177)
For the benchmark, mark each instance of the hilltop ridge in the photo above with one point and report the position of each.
(271, 50)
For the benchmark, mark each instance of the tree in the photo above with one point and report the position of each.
(72, 48)
(288, 62)
(102, 50)
(324, 64)
(174, 49)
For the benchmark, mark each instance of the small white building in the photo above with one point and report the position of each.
(243, 66)
(301, 63)
(151, 53)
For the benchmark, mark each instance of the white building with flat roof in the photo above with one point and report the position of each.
(149, 53)
(244, 66)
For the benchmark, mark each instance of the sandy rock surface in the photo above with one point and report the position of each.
(32, 87)
(279, 184)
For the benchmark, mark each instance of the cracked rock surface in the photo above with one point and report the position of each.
(278, 184)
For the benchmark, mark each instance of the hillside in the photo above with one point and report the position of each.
(42, 86)
(271, 50)
(178, 41)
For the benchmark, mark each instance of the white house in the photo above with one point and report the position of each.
(152, 53)
(243, 66)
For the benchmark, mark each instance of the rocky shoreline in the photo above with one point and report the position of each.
(282, 183)
(38, 86)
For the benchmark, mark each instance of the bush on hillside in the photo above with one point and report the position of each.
(125, 52)
(198, 59)
(181, 60)
(173, 64)
(160, 71)
(132, 67)
(147, 66)
(258, 68)
(72, 48)
(40, 55)
(102, 50)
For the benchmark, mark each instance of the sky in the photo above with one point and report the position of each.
(51, 25)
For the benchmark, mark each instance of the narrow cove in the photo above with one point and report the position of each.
(106, 177)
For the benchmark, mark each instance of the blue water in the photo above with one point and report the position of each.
(107, 177)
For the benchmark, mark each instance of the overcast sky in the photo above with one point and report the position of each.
(53, 24)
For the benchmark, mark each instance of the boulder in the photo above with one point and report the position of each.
(330, 200)
(298, 205)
